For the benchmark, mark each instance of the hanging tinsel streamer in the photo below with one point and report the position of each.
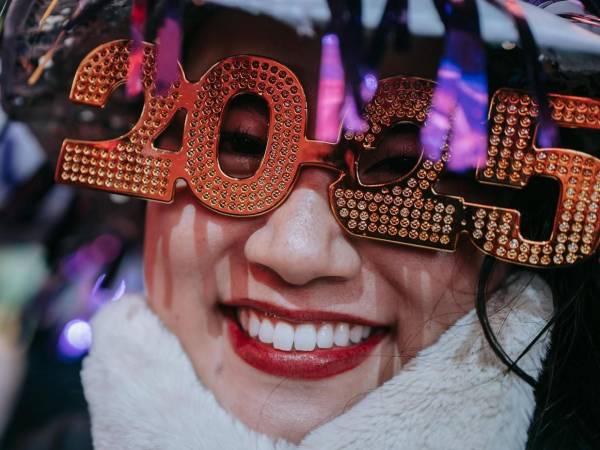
(168, 53)
(348, 81)
(139, 12)
(458, 112)
(346, 23)
(331, 90)
(547, 133)
(394, 21)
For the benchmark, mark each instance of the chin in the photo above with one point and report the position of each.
(286, 393)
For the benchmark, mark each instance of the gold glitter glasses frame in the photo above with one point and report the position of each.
(404, 211)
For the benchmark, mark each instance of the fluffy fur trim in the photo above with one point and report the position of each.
(143, 392)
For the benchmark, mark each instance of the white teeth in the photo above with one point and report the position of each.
(341, 336)
(356, 334)
(244, 319)
(240, 313)
(305, 337)
(265, 333)
(254, 325)
(283, 337)
(366, 332)
(325, 336)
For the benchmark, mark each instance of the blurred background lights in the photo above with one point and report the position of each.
(370, 81)
(100, 295)
(75, 339)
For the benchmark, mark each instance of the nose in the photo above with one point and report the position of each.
(300, 240)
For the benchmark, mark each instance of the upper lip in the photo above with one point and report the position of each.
(300, 315)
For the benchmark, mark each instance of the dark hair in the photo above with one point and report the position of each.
(567, 411)
(567, 393)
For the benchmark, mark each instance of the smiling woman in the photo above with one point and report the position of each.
(302, 293)
(249, 297)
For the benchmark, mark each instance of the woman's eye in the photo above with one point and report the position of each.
(240, 154)
(397, 153)
(390, 168)
(242, 144)
(243, 138)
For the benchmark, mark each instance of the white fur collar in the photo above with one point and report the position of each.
(143, 393)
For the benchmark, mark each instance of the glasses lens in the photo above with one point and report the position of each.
(397, 153)
(243, 137)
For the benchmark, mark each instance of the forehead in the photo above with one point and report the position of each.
(223, 33)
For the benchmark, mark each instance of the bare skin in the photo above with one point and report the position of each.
(297, 257)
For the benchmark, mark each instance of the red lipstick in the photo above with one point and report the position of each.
(312, 365)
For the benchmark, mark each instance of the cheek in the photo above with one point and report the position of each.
(431, 278)
(184, 246)
(428, 284)
(170, 249)
(431, 289)
(422, 277)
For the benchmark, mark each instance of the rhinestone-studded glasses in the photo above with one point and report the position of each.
(404, 211)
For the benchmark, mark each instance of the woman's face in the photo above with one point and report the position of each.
(226, 287)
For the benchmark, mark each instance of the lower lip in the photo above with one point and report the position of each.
(314, 365)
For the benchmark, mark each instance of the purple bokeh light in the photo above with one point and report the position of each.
(90, 257)
(100, 295)
(75, 338)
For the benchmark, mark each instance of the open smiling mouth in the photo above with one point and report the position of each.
(299, 344)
